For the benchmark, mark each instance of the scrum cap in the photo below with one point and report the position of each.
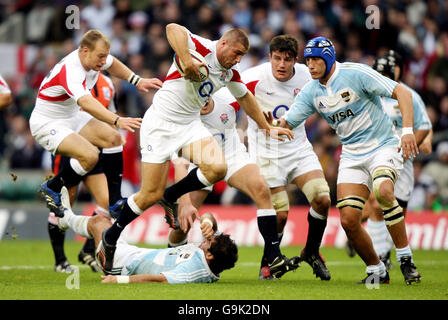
(322, 48)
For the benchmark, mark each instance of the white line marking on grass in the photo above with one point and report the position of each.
(32, 267)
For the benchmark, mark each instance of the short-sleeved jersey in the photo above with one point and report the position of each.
(421, 119)
(275, 96)
(104, 92)
(180, 100)
(183, 264)
(64, 85)
(4, 88)
(350, 103)
(221, 122)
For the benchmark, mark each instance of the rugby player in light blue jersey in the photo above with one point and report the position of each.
(190, 263)
(391, 65)
(347, 95)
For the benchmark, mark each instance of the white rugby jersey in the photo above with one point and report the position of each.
(64, 85)
(4, 88)
(275, 96)
(183, 264)
(180, 100)
(221, 122)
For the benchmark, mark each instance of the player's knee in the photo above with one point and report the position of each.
(280, 202)
(216, 172)
(114, 139)
(351, 208)
(317, 190)
(89, 160)
(350, 222)
(384, 179)
(260, 190)
(321, 204)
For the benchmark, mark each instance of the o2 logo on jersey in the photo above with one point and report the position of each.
(206, 89)
(279, 111)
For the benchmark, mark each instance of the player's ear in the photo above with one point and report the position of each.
(209, 256)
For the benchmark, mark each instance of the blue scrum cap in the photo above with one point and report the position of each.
(322, 48)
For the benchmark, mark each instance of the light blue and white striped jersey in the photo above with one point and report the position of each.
(421, 119)
(183, 264)
(350, 103)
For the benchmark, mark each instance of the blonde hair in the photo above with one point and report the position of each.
(237, 35)
(91, 37)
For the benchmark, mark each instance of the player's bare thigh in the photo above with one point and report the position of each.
(250, 181)
(101, 134)
(208, 156)
(78, 147)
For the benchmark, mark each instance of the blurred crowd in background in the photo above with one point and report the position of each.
(416, 29)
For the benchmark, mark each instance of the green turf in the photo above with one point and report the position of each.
(26, 272)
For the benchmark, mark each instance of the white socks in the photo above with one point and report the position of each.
(77, 223)
(382, 242)
(379, 269)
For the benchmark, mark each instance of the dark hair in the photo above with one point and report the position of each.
(225, 253)
(387, 63)
(285, 43)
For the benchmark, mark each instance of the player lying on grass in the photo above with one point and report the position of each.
(190, 263)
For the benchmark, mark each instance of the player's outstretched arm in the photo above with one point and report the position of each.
(96, 109)
(408, 141)
(250, 106)
(134, 278)
(120, 70)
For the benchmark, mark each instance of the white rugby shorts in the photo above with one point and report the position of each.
(405, 182)
(160, 138)
(281, 171)
(50, 132)
(359, 171)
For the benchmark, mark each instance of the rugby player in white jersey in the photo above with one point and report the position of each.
(191, 263)
(275, 85)
(58, 124)
(347, 95)
(391, 65)
(219, 117)
(173, 125)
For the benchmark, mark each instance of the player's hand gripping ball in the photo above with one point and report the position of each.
(203, 70)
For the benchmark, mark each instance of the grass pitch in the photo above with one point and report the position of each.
(26, 273)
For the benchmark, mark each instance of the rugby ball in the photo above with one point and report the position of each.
(203, 70)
